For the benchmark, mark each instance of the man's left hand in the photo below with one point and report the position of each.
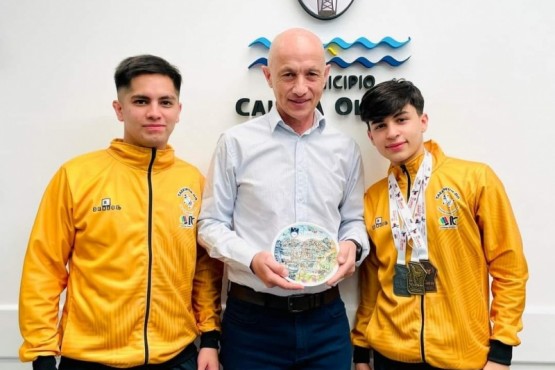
(346, 260)
(495, 366)
(208, 359)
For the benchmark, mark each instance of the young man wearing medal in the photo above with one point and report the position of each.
(441, 228)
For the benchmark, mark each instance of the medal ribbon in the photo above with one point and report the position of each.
(409, 220)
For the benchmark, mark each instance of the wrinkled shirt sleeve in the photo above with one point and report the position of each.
(215, 231)
(351, 208)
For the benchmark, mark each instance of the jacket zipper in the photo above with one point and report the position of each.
(149, 235)
(422, 353)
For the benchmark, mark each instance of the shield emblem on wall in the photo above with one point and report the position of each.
(326, 9)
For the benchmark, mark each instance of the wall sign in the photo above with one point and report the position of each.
(345, 80)
(326, 9)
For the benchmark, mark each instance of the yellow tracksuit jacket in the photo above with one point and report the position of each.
(471, 230)
(116, 228)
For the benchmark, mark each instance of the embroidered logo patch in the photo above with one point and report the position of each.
(188, 205)
(447, 203)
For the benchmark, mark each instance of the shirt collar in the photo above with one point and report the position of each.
(275, 120)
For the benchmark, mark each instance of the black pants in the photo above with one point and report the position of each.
(383, 363)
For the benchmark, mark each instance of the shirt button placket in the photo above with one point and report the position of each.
(301, 186)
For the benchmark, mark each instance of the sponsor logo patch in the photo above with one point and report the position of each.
(379, 222)
(106, 205)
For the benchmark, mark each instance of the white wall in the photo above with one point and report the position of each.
(486, 68)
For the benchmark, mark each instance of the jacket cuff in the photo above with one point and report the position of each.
(210, 339)
(361, 355)
(44, 363)
(500, 353)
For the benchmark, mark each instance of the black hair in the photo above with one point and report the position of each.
(389, 97)
(132, 67)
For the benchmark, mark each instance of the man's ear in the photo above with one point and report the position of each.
(118, 109)
(369, 133)
(326, 73)
(424, 122)
(179, 117)
(267, 75)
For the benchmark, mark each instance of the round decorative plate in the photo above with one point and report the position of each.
(308, 251)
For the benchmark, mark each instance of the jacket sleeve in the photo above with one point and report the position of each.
(45, 275)
(207, 288)
(503, 249)
(206, 295)
(369, 288)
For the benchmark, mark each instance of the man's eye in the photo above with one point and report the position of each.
(139, 102)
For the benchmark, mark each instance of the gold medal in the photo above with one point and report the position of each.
(416, 278)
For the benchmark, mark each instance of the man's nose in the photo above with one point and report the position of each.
(153, 111)
(392, 131)
(300, 86)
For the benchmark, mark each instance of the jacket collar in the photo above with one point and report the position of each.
(413, 165)
(140, 157)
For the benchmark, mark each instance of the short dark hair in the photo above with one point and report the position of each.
(131, 67)
(389, 97)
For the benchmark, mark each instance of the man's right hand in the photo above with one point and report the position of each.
(271, 272)
(362, 366)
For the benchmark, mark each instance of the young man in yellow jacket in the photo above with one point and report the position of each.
(440, 228)
(116, 230)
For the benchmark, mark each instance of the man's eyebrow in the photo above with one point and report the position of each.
(286, 69)
(168, 97)
(139, 96)
(399, 113)
(394, 115)
(165, 97)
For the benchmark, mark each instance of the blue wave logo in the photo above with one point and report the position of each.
(337, 43)
(261, 41)
(366, 63)
(363, 41)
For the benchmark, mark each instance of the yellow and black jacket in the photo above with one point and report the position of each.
(471, 231)
(117, 229)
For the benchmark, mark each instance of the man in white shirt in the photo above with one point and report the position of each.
(285, 167)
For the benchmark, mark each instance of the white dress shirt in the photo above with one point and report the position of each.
(264, 177)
